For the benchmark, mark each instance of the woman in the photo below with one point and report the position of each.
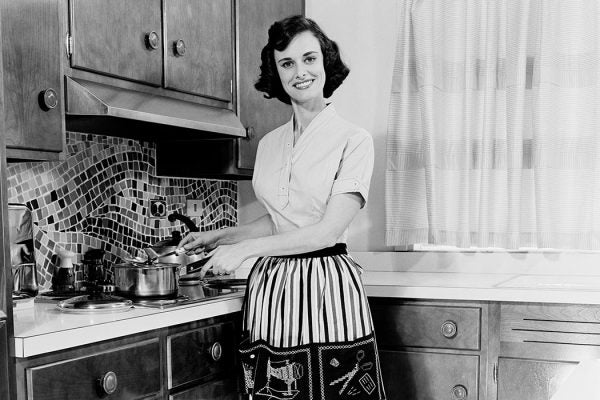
(309, 327)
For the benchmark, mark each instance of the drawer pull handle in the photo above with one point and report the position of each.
(48, 99)
(449, 329)
(152, 40)
(459, 392)
(216, 351)
(179, 48)
(108, 383)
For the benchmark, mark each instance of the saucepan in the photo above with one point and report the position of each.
(151, 277)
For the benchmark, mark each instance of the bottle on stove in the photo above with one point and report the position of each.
(64, 276)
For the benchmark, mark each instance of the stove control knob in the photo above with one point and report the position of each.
(108, 383)
(216, 351)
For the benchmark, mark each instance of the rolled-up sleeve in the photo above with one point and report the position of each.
(356, 166)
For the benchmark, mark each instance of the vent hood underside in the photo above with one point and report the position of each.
(98, 108)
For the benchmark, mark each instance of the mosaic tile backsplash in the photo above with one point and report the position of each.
(99, 196)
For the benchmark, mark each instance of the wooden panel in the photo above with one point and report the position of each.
(399, 325)
(257, 113)
(205, 27)
(109, 37)
(32, 44)
(137, 368)
(550, 323)
(219, 390)
(4, 390)
(428, 376)
(530, 379)
(188, 353)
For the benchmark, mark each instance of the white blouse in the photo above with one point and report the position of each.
(295, 183)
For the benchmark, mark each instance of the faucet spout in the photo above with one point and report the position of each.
(185, 219)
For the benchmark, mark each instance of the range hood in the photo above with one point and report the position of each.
(98, 108)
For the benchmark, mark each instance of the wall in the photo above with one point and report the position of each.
(365, 31)
(99, 195)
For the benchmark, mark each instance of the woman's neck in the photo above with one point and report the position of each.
(304, 114)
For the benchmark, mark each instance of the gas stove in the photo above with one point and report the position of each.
(189, 292)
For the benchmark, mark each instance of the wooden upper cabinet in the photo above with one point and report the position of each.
(32, 78)
(258, 115)
(199, 47)
(121, 38)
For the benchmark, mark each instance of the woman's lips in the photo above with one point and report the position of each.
(304, 84)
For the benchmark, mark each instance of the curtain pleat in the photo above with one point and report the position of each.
(494, 125)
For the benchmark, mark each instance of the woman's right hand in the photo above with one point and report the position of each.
(197, 242)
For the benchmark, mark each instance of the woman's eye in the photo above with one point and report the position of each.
(286, 64)
(310, 60)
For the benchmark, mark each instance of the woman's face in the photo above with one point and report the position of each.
(301, 70)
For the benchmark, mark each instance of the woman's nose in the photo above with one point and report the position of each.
(300, 72)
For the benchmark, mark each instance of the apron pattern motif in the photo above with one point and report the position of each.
(316, 371)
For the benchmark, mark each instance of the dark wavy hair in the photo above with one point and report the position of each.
(281, 34)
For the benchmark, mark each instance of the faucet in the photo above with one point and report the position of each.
(185, 219)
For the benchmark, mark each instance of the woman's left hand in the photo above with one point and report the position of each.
(225, 259)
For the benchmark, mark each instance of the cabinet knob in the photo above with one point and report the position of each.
(48, 99)
(459, 392)
(179, 48)
(108, 383)
(250, 133)
(449, 329)
(152, 40)
(216, 351)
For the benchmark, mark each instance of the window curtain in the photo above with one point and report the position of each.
(494, 125)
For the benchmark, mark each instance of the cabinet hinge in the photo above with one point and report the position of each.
(495, 373)
(69, 45)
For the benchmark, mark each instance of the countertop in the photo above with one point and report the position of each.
(44, 328)
(539, 278)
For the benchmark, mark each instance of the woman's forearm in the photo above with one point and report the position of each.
(260, 227)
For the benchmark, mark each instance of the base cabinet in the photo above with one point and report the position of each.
(432, 350)
(219, 390)
(190, 361)
(537, 379)
(456, 350)
(413, 375)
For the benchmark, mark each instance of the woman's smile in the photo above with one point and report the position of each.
(304, 84)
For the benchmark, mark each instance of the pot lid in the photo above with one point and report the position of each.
(135, 263)
(96, 303)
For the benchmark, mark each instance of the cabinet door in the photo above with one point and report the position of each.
(121, 38)
(32, 46)
(131, 372)
(258, 114)
(530, 379)
(199, 47)
(430, 376)
(196, 354)
(218, 390)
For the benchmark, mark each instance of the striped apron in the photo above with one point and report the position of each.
(308, 329)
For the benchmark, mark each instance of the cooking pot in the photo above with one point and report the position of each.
(147, 279)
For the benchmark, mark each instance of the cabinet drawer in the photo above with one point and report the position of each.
(409, 325)
(218, 390)
(426, 376)
(201, 352)
(136, 369)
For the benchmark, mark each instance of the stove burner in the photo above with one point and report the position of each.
(159, 302)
